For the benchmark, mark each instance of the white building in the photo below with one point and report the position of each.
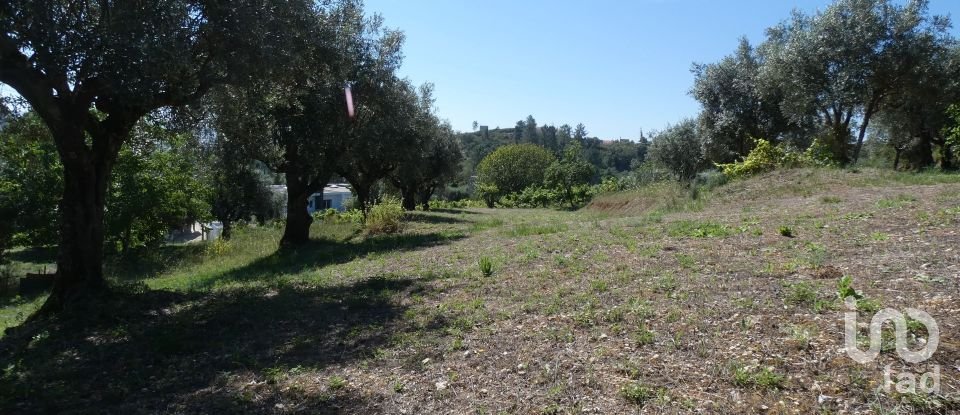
(334, 196)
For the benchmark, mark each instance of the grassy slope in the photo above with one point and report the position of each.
(648, 298)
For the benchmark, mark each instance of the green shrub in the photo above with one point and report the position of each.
(638, 394)
(456, 204)
(786, 231)
(763, 158)
(610, 185)
(385, 217)
(819, 154)
(333, 216)
(511, 169)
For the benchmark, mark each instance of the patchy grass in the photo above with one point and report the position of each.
(648, 301)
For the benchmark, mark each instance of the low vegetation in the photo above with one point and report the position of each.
(599, 308)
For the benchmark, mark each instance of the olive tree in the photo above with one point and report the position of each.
(678, 149)
(91, 70)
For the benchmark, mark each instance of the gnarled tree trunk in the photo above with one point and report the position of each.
(86, 174)
(297, 229)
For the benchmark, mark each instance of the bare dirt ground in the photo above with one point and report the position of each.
(643, 303)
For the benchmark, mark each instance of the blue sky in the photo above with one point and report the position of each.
(616, 66)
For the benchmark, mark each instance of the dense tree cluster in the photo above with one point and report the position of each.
(151, 115)
(855, 67)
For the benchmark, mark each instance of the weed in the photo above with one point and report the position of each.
(831, 199)
(643, 336)
(696, 229)
(801, 293)
(801, 335)
(525, 229)
(686, 261)
(896, 202)
(336, 382)
(486, 224)
(637, 394)
(785, 231)
(667, 283)
(845, 289)
(599, 286)
(762, 378)
(486, 266)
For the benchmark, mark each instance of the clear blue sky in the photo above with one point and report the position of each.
(616, 66)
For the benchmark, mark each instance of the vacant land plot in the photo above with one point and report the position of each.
(647, 302)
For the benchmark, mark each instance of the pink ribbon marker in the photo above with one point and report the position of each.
(349, 94)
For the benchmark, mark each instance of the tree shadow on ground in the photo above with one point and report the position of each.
(433, 219)
(166, 352)
(320, 253)
(149, 262)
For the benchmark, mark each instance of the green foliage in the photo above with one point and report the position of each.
(511, 169)
(610, 185)
(155, 188)
(819, 154)
(785, 231)
(845, 289)
(637, 393)
(486, 266)
(385, 217)
(678, 149)
(155, 185)
(697, 229)
(801, 293)
(331, 215)
(736, 106)
(763, 158)
(570, 172)
(30, 183)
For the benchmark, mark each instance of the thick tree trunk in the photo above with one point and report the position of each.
(424, 197)
(227, 232)
(409, 199)
(946, 162)
(923, 152)
(896, 160)
(80, 260)
(297, 229)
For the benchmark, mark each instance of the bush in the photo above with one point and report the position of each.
(819, 154)
(511, 169)
(456, 204)
(333, 216)
(766, 157)
(610, 185)
(385, 217)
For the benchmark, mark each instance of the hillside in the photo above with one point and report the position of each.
(648, 301)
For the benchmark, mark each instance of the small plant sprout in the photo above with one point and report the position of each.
(786, 231)
(486, 266)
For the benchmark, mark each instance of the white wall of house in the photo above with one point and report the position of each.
(333, 196)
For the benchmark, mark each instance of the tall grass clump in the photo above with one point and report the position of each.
(385, 217)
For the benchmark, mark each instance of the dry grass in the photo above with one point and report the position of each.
(655, 306)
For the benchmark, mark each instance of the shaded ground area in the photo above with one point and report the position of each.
(650, 302)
